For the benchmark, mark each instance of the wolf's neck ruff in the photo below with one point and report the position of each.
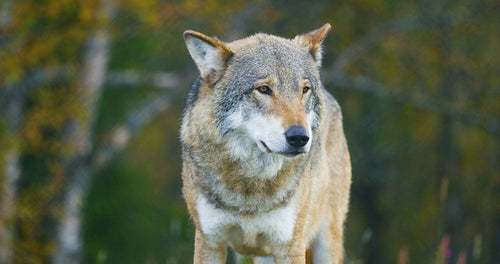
(228, 182)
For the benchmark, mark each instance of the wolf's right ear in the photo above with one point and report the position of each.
(209, 54)
(313, 41)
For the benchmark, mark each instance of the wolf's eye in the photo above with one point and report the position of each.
(306, 89)
(264, 89)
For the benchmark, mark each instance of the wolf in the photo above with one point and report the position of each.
(266, 167)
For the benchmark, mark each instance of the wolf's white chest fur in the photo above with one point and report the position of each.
(277, 225)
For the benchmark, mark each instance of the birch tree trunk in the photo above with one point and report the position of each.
(5, 12)
(10, 177)
(11, 167)
(80, 138)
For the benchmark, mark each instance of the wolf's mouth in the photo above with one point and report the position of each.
(292, 153)
(265, 147)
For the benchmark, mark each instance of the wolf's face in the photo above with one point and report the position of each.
(274, 83)
(265, 88)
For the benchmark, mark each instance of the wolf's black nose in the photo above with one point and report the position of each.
(297, 136)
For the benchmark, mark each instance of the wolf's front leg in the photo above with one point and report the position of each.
(295, 253)
(327, 244)
(208, 252)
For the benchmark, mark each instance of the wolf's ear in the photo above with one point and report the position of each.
(313, 40)
(209, 54)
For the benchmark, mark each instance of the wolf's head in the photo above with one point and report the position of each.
(264, 89)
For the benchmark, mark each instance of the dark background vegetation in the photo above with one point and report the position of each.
(91, 94)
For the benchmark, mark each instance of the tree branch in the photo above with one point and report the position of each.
(33, 79)
(348, 55)
(166, 80)
(131, 77)
(123, 133)
(418, 100)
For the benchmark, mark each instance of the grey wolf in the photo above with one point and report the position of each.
(266, 168)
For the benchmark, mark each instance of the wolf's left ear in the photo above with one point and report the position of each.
(209, 54)
(313, 40)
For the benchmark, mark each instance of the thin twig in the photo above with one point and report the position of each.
(124, 132)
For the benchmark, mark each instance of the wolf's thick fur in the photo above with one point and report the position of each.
(266, 169)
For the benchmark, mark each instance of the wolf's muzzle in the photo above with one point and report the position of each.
(297, 136)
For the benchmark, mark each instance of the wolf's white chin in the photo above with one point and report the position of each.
(256, 159)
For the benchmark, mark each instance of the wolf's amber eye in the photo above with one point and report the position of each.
(306, 89)
(264, 89)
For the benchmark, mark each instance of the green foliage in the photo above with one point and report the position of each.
(44, 33)
(128, 221)
(425, 151)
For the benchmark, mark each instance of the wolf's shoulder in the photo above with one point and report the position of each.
(331, 103)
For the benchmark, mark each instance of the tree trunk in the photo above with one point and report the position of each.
(448, 164)
(11, 168)
(78, 171)
(11, 172)
(8, 206)
(5, 13)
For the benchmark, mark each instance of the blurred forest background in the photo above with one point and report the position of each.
(91, 93)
